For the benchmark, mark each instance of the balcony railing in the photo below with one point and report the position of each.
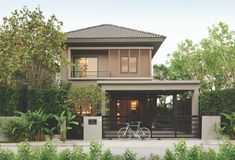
(90, 74)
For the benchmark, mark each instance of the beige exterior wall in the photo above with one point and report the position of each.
(109, 61)
(143, 62)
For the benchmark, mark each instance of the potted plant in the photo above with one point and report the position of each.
(64, 122)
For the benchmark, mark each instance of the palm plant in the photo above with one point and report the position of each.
(64, 122)
(17, 130)
(230, 126)
(37, 123)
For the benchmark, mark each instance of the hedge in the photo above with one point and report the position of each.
(216, 102)
(9, 100)
(52, 100)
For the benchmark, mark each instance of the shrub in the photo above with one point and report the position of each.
(37, 123)
(6, 154)
(181, 150)
(196, 153)
(216, 102)
(95, 151)
(65, 155)
(210, 155)
(52, 101)
(129, 155)
(26, 152)
(17, 130)
(227, 151)
(107, 155)
(48, 152)
(154, 157)
(77, 154)
(169, 155)
(9, 99)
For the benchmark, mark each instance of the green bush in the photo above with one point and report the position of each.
(216, 102)
(180, 152)
(129, 155)
(227, 151)
(6, 154)
(95, 151)
(107, 155)
(27, 152)
(9, 99)
(48, 152)
(52, 100)
(17, 130)
(65, 155)
(77, 154)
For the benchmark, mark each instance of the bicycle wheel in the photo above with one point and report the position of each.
(144, 133)
(124, 133)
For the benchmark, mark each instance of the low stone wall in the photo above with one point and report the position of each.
(208, 127)
(4, 120)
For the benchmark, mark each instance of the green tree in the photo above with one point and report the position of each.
(88, 97)
(211, 60)
(31, 48)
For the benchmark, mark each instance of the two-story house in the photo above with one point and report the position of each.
(119, 60)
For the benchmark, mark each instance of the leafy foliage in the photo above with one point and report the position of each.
(37, 123)
(211, 61)
(51, 100)
(6, 154)
(229, 126)
(87, 96)
(9, 99)
(17, 130)
(95, 151)
(30, 47)
(129, 155)
(48, 152)
(180, 152)
(216, 102)
(26, 152)
(64, 122)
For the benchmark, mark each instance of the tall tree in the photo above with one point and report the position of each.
(212, 60)
(31, 48)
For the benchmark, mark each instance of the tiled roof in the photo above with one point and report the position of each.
(106, 31)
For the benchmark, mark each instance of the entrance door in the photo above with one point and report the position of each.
(127, 107)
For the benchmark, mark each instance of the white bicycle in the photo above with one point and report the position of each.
(135, 130)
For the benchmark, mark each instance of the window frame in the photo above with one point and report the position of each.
(129, 64)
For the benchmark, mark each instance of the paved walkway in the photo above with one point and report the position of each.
(143, 147)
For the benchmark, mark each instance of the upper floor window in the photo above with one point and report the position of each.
(128, 66)
(85, 67)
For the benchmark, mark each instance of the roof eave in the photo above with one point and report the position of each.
(85, 40)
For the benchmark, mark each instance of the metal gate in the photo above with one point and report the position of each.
(160, 126)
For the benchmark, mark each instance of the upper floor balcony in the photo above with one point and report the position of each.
(105, 63)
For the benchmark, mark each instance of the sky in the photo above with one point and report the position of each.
(176, 19)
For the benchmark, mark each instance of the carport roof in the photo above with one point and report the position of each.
(154, 85)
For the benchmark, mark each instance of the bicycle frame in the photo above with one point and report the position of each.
(135, 133)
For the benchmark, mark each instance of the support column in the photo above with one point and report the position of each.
(103, 105)
(69, 66)
(174, 102)
(195, 108)
(195, 111)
